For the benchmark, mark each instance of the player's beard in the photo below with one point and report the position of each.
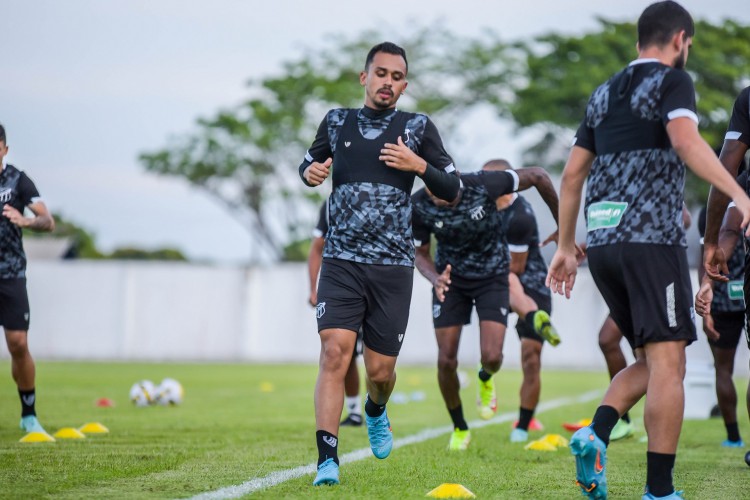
(680, 60)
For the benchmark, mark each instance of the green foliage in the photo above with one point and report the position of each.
(244, 421)
(83, 243)
(297, 251)
(128, 253)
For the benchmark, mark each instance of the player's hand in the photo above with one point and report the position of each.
(14, 216)
(715, 262)
(317, 172)
(313, 299)
(708, 328)
(400, 157)
(441, 283)
(562, 272)
(580, 252)
(549, 239)
(704, 297)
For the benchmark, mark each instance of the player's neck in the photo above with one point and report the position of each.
(657, 53)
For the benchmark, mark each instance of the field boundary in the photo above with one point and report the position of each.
(282, 476)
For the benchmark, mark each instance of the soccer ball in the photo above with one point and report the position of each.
(142, 393)
(169, 392)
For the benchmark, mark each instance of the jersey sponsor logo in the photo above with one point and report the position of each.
(320, 310)
(734, 289)
(29, 399)
(330, 441)
(400, 337)
(605, 214)
(347, 143)
(477, 213)
(436, 310)
(5, 195)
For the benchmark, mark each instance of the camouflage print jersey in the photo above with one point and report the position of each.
(18, 191)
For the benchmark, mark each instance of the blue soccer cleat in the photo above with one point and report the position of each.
(328, 473)
(29, 423)
(733, 444)
(380, 435)
(591, 461)
(675, 495)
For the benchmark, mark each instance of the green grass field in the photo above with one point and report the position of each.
(232, 429)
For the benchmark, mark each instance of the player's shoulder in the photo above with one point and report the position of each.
(744, 98)
(337, 115)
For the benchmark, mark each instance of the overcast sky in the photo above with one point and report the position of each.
(86, 85)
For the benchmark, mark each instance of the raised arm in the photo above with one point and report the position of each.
(539, 178)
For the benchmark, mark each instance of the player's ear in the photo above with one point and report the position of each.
(362, 78)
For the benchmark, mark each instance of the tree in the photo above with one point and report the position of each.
(562, 71)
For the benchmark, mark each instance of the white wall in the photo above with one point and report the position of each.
(160, 311)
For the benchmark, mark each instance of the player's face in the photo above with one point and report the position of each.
(384, 81)
(3, 150)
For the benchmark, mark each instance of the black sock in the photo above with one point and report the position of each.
(659, 473)
(733, 432)
(457, 415)
(524, 418)
(484, 375)
(327, 446)
(529, 319)
(372, 409)
(604, 420)
(626, 417)
(28, 398)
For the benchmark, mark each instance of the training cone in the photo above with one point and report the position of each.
(105, 403)
(69, 433)
(540, 445)
(451, 490)
(574, 426)
(555, 440)
(37, 437)
(93, 428)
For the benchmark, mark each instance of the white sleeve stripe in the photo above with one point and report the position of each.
(518, 248)
(317, 233)
(682, 113)
(450, 168)
(732, 136)
(36, 199)
(515, 179)
(308, 157)
(700, 241)
(417, 243)
(732, 204)
(575, 139)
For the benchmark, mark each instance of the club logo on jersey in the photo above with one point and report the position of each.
(6, 195)
(438, 224)
(436, 310)
(477, 213)
(330, 441)
(320, 310)
(400, 337)
(28, 400)
(407, 139)
(347, 143)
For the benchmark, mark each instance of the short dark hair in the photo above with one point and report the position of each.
(388, 48)
(660, 21)
(2, 134)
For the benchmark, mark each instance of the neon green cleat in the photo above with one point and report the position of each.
(621, 430)
(486, 399)
(543, 327)
(459, 440)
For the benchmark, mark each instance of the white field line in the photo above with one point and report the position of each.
(282, 476)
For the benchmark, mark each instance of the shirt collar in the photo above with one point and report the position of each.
(644, 61)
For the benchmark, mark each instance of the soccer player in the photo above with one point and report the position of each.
(723, 327)
(640, 129)
(366, 279)
(352, 402)
(470, 269)
(18, 192)
(527, 266)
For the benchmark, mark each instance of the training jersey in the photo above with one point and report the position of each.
(467, 234)
(636, 183)
(728, 297)
(521, 234)
(739, 123)
(18, 191)
(369, 210)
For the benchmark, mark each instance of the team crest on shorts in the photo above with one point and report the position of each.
(320, 310)
(436, 310)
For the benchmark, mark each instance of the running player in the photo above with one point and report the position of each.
(639, 128)
(723, 327)
(520, 231)
(366, 278)
(470, 269)
(352, 402)
(18, 192)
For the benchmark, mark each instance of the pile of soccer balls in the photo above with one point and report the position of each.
(145, 393)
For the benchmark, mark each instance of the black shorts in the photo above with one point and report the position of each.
(648, 291)
(489, 295)
(375, 298)
(14, 304)
(544, 303)
(729, 325)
